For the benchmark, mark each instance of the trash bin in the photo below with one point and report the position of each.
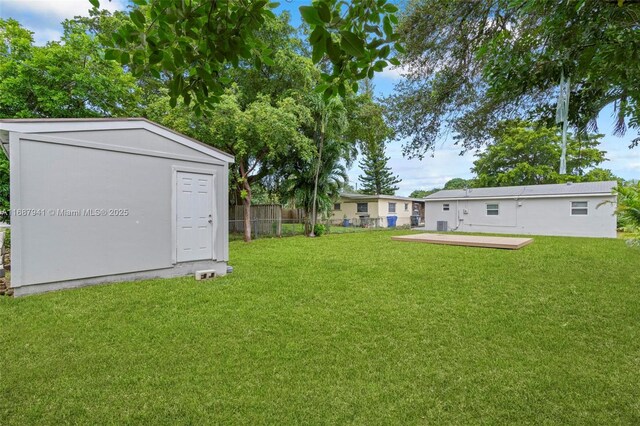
(415, 220)
(391, 221)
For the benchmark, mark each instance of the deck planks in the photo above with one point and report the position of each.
(509, 243)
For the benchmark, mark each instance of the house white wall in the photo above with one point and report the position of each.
(536, 216)
(131, 169)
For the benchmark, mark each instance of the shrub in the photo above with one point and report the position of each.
(319, 229)
(629, 210)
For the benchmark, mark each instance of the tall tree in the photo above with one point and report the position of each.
(377, 177)
(526, 154)
(472, 64)
(329, 124)
(258, 135)
(69, 78)
(313, 189)
(367, 123)
(265, 120)
(369, 130)
(62, 79)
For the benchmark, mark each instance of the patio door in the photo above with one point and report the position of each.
(194, 221)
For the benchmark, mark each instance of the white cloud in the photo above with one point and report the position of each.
(623, 162)
(57, 9)
(447, 163)
(431, 172)
(43, 35)
(393, 73)
(43, 17)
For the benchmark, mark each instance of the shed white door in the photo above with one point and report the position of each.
(194, 233)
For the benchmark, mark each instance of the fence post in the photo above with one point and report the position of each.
(279, 231)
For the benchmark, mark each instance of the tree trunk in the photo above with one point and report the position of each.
(246, 204)
(314, 214)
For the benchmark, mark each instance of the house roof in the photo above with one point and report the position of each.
(553, 190)
(363, 197)
(45, 125)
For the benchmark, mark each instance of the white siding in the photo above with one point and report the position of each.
(536, 216)
(129, 138)
(53, 251)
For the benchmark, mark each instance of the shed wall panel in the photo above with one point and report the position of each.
(58, 178)
(131, 138)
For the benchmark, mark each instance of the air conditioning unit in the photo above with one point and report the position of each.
(442, 225)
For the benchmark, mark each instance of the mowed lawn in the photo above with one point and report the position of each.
(351, 328)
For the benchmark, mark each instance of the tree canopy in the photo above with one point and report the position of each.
(63, 79)
(66, 79)
(193, 43)
(281, 132)
(523, 153)
(471, 65)
(421, 193)
(259, 135)
(457, 183)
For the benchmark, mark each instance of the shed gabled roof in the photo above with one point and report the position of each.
(46, 125)
(563, 189)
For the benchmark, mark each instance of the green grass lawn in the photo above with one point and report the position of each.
(351, 328)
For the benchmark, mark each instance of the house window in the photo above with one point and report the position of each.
(445, 207)
(493, 210)
(406, 207)
(392, 207)
(363, 208)
(579, 208)
(336, 206)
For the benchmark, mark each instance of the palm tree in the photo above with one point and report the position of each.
(628, 209)
(315, 185)
(330, 124)
(629, 205)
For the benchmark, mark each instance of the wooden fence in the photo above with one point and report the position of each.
(293, 214)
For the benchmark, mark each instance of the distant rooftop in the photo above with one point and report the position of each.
(583, 188)
(355, 196)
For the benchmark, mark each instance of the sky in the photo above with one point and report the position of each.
(43, 17)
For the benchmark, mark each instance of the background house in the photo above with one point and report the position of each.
(97, 200)
(373, 210)
(572, 209)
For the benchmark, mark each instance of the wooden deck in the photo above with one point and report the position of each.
(509, 243)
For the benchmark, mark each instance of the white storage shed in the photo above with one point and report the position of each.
(101, 200)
